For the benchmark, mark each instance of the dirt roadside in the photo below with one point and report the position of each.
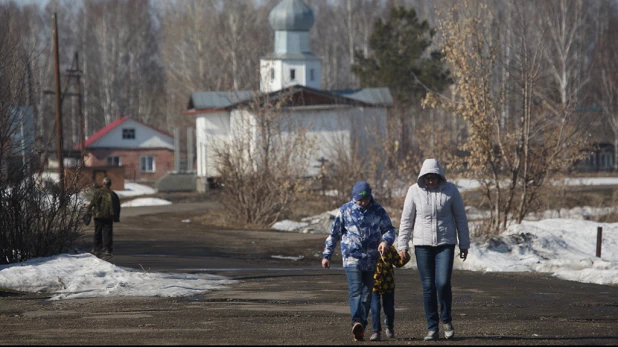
(287, 302)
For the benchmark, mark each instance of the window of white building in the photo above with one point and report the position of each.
(292, 74)
(606, 160)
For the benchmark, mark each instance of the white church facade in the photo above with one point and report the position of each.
(336, 119)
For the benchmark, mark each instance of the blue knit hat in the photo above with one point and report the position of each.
(361, 191)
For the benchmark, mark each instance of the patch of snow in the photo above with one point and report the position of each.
(286, 257)
(146, 202)
(288, 225)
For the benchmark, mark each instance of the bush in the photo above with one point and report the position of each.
(33, 220)
(263, 164)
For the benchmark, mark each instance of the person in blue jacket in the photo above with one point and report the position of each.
(365, 230)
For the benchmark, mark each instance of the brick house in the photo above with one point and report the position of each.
(146, 153)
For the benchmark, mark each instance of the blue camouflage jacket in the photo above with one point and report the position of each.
(360, 231)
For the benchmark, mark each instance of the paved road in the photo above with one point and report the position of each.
(285, 302)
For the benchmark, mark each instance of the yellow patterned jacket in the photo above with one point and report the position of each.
(384, 277)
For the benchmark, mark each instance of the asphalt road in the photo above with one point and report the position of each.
(288, 302)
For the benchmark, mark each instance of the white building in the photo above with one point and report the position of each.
(337, 118)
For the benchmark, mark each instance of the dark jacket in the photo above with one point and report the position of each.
(384, 278)
(105, 204)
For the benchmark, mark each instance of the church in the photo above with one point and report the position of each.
(342, 118)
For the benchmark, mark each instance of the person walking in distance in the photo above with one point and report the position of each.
(365, 230)
(383, 295)
(105, 207)
(434, 216)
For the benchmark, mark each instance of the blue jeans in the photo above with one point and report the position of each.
(435, 266)
(388, 303)
(360, 284)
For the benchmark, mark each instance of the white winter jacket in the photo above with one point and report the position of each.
(433, 217)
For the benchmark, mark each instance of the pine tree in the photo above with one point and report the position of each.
(400, 60)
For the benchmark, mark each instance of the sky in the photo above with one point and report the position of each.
(564, 248)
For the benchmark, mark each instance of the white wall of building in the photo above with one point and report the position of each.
(282, 71)
(332, 128)
(268, 82)
(340, 128)
(212, 129)
(145, 137)
(291, 41)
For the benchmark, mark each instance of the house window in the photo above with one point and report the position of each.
(146, 163)
(606, 160)
(272, 74)
(311, 75)
(113, 161)
(128, 134)
(292, 74)
(590, 161)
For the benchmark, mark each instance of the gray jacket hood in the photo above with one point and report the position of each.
(430, 166)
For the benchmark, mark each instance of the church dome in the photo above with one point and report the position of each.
(292, 15)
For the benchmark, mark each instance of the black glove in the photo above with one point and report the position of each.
(87, 217)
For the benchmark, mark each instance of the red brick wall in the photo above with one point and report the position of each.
(129, 158)
(93, 176)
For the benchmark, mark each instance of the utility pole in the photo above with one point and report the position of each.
(76, 73)
(58, 112)
(73, 72)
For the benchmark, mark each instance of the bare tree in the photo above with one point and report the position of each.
(564, 22)
(263, 164)
(514, 163)
(240, 29)
(34, 222)
(121, 60)
(340, 28)
(606, 73)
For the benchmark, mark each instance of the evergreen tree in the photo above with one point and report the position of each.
(399, 58)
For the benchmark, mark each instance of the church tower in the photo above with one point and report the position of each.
(291, 63)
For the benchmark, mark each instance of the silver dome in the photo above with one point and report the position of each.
(292, 15)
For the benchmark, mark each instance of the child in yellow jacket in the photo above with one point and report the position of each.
(383, 294)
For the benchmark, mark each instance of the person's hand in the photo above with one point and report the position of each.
(382, 247)
(403, 253)
(463, 254)
(326, 263)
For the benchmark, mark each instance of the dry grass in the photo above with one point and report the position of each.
(311, 204)
(567, 198)
(308, 206)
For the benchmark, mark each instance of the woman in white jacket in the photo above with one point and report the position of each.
(434, 216)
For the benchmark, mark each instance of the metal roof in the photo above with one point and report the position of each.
(375, 96)
(210, 100)
(292, 56)
(292, 15)
(220, 100)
